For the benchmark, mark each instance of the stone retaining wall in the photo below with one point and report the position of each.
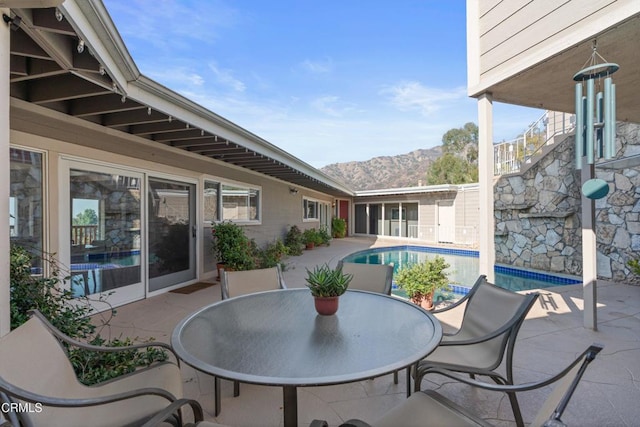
(538, 213)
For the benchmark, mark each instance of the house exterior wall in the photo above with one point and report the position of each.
(34, 128)
(538, 214)
(465, 202)
(507, 37)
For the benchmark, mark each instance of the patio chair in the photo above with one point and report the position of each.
(370, 277)
(431, 408)
(237, 283)
(35, 369)
(490, 324)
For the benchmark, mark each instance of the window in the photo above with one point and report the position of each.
(240, 203)
(310, 209)
(211, 202)
(26, 201)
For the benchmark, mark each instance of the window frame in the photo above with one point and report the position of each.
(221, 184)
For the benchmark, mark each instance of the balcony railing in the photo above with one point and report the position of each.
(83, 234)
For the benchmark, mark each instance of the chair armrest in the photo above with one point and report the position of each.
(170, 410)
(65, 338)
(462, 300)
(586, 357)
(28, 396)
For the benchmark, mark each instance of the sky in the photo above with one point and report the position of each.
(327, 81)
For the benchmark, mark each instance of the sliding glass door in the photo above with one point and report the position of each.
(101, 213)
(172, 232)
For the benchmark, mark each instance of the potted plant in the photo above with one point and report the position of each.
(311, 238)
(421, 280)
(232, 248)
(326, 286)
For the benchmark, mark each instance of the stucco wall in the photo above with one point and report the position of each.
(538, 213)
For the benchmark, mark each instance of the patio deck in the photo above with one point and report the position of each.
(551, 336)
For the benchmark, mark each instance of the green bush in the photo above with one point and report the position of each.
(294, 241)
(419, 280)
(232, 247)
(272, 254)
(339, 227)
(71, 316)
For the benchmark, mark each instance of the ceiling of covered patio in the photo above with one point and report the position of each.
(549, 84)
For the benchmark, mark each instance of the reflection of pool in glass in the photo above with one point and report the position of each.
(464, 268)
(88, 277)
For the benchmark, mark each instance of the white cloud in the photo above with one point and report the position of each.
(226, 78)
(412, 95)
(328, 105)
(323, 66)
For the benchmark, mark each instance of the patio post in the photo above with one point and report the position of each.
(5, 318)
(485, 178)
(589, 253)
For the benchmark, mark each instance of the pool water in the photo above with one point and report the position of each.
(463, 271)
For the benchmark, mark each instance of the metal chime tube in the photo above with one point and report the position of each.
(600, 124)
(589, 121)
(607, 118)
(579, 126)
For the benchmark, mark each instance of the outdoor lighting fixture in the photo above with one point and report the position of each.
(148, 111)
(80, 46)
(293, 190)
(170, 119)
(102, 71)
(59, 16)
(14, 23)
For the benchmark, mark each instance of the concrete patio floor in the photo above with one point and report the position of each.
(552, 336)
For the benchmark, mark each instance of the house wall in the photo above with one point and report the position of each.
(509, 36)
(61, 136)
(538, 214)
(465, 202)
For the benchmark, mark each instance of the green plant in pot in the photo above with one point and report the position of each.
(232, 248)
(326, 286)
(421, 280)
(311, 238)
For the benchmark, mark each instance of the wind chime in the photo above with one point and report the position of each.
(595, 97)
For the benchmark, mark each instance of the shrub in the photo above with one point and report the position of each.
(71, 316)
(339, 227)
(421, 279)
(272, 254)
(232, 247)
(294, 241)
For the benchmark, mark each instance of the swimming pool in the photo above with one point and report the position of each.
(464, 268)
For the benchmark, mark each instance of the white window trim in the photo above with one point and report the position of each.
(222, 182)
(318, 203)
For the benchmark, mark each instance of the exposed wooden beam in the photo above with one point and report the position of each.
(133, 118)
(62, 87)
(110, 103)
(153, 128)
(45, 19)
(23, 45)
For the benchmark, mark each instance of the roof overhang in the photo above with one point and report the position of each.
(102, 85)
(549, 84)
(443, 188)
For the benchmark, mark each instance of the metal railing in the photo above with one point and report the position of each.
(509, 156)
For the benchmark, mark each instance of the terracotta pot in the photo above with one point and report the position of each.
(427, 302)
(326, 306)
(310, 245)
(219, 266)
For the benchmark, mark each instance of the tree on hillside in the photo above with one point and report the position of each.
(459, 161)
(451, 169)
(462, 142)
(88, 217)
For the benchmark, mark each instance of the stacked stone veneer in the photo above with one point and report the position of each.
(538, 213)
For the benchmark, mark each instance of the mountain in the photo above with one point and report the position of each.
(404, 170)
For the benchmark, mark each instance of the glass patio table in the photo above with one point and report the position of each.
(276, 338)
